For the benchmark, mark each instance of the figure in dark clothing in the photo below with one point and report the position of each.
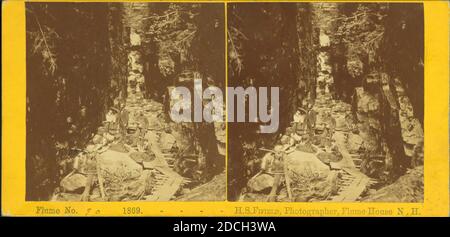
(123, 121)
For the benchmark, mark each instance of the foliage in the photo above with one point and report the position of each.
(42, 44)
(74, 69)
(173, 30)
(235, 51)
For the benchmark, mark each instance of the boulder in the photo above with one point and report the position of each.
(119, 164)
(136, 189)
(68, 197)
(118, 147)
(312, 188)
(254, 197)
(322, 190)
(327, 157)
(408, 188)
(302, 162)
(213, 190)
(141, 157)
(73, 182)
(260, 182)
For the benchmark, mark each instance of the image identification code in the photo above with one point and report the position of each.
(226, 226)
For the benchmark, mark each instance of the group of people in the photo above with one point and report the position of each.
(304, 123)
(304, 126)
(116, 123)
(118, 118)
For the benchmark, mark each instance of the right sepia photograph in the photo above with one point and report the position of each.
(325, 102)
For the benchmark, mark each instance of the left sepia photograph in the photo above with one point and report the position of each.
(101, 82)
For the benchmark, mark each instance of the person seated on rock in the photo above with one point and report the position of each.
(99, 138)
(277, 169)
(142, 124)
(292, 133)
(111, 119)
(141, 85)
(310, 122)
(311, 119)
(329, 125)
(90, 169)
(299, 120)
(266, 162)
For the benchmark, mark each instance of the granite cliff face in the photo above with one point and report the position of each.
(380, 60)
(72, 79)
(269, 45)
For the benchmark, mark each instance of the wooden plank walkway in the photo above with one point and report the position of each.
(355, 188)
(168, 188)
(355, 181)
(172, 181)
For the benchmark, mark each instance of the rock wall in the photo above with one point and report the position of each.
(76, 65)
(181, 42)
(402, 50)
(377, 62)
(408, 188)
(269, 45)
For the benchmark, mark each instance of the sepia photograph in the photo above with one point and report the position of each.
(349, 83)
(99, 80)
(225, 108)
